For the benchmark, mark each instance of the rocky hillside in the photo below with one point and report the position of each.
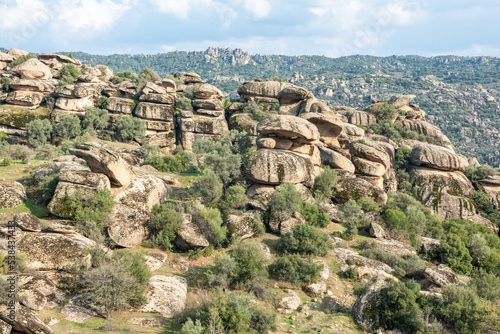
(461, 94)
(155, 205)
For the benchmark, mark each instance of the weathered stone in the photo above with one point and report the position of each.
(75, 104)
(38, 292)
(210, 125)
(162, 139)
(208, 104)
(336, 160)
(159, 125)
(80, 308)
(241, 226)
(120, 105)
(377, 231)
(289, 303)
(28, 222)
(356, 188)
(312, 105)
(315, 289)
(77, 91)
(291, 94)
(441, 275)
(366, 305)
(103, 160)
(362, 118)
(288, 126)
(368, 167)
(26, 321)
(168, 84)
(6, 57)
(12, 194)
(208, 112)
(89, 74)
(25, 98)
(188, 77)
(159, 98)
(49, 251)
(327, 124)
(438, 157)
(166, 295)
(148, 322)
(60, 58)
(350, 257)
(190, 236)
(283, 143)
(429, 244)
(154, 111)
(31, 85)
(261, 89)
(5, 328)
(423, 127)
(33, 69)
(266, 142)
(243, 123)
(371, 153)
(276, 167)
(399, 101)
(127, 89)
(260, 192)
(106, 72)
(376, 181)
(208, 92)
(394, 247)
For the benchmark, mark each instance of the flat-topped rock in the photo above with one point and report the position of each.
(206, 91)
(291, 94)
(166, 295)
(28, 222)
(33, 69)
(355, 188)
(438, 157)
(59, 58)
(12, 194)
(288, 126)
(327, 124)
(269, 89)
(399, 101)
(441, 275)
(278, 166)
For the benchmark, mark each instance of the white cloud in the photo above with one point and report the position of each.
(259, 8)
(179, 8)
(21, 13)
(90, 14)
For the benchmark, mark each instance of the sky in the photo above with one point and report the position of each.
(331, 28)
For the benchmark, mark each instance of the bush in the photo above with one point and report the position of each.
(21, 60)
(305, 240)
(46, 152)
(461, 309)
(255, 110)
(234, 199)
(164, 226)
(184, 103)
(285, 200)
(95, 119)
(222, 272)
(129, 127)
(208, 187)
(324, 184)
(124, 76)
(486, 285)
(250, 263)
(38, 132)
(409, 265)
(145, 76)
(313, 216)
(367, 204)
(383, 111)
(210, 222)
(292, 268)
(69, 127)
(7, 162)
(169, 162)
(5, 84)
(455, 254)
(189, 327)
(351, 213)
(48, 186)
(478, 173)
(149, 151)
(68, 75)
(398, 309)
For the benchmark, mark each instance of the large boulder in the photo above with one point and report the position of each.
(362, 118)
(166, 295)
(336, 160)
(351, 188)
(28, 222)
(155, 111)
(241, 226)
(188, 77)
(441, 275)
(190, 236)
(210, 125)
(261, 88)
(291, 94)
(69, 183)
(132, 209)
(438, 157)
(276, 166)
(5, 328)
(208, 92)
(368, 167)
(103, 160)
(77, 91)
(38, 292)
(329, 126)
(59, 58)
(31, 85)
(120, 105)
(394, 247)
(50, 251)
(12, 194)
(288, 126)
(366, 306)
(367, 152)
(26, 321)
(423, 127)
(25, 98)
(289, 303)
(71, 104)
(89, 74)
(351, 258)
(399, 101)
(33, 69)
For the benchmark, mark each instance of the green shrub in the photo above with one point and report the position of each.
(292, 268)
(38, 132)
(103, 101)
(190, 327)
(233, 199)
(184, 103)
(409, 265)
(313, 216)
(48, 186)
(208, 187)
(21, 60)
(398, 309)
(135, 262)
(68, 75)
(178, 162)
(129, 127)
(305, 240)
(383, 111)
(222, 271)
(124, 76)
(486, 285)
(46, 152)
(145, 76)
(455, 254)
(250, 262)
(164, 226)
(476, 173)
(69, 127)
(285, 200)
(351, 213)
(5, 84)
(255, 110)
(367, 204)
(7, 162)
(324, 184)
(461, 309)
(210, 222)
(95, 118)
(149, 151)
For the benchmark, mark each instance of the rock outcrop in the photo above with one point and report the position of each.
(166, 295)
(12, 194)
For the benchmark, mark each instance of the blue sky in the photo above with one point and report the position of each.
(292, 27)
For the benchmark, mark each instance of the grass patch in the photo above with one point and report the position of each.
(17, 171)
(29, 206)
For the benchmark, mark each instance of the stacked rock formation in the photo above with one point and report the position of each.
(206, 120)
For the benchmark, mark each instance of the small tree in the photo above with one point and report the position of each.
(68, 75)
(124, 76)
(285, 200)
(324, 184)
(255, 110)
(305, 240)
(129, 127)
(250, 262)
(96, 118)
(164, 226)
(69, 127)
(39, 132)
(208, 187)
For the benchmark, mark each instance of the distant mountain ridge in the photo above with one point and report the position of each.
(460, 94)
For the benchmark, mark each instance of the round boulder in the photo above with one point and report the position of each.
(28, 222)
(288, 126)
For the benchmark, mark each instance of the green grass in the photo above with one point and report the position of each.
(17, 171)
(29, 206)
